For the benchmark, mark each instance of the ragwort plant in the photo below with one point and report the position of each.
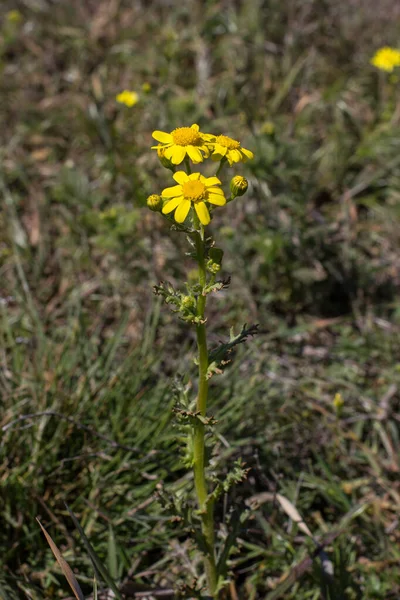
(190, 205)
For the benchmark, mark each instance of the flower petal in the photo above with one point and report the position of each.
(194, 154)
(169, 151)
(247, 153)
(202, 213)
(218, 200)
(215, 190)
(172, 192)
(211, 181)
(218, 149)
(234, 155)
(161, 136)
(195, 176)
(160, 146)
(180, 177)
(195, 127)
(178, 154)
(169, 206)
(182, 211)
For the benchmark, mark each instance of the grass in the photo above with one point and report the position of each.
(88, 353)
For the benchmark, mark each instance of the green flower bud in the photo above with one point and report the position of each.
(188, 303)
(155, 203)
(239, 186)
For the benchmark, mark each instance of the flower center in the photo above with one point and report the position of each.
(185, 136)
(194, 190)
(227, 142)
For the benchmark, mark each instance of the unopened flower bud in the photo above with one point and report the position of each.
(239, 186)
(154, 202)
(163, 159)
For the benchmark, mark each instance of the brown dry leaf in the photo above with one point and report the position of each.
(294, 514)
(66, 569)
(305, 101)
(41, 154)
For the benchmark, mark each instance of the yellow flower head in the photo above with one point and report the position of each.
(14, 16)
(128, 98)
(229, 148)
(193, 190)
(181, 142)
(386, 59)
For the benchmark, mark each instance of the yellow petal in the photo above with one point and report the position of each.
(218, 200)
(247, 153)
(169, 207)
(211, 181)
(172, 192)
(180, 177)
(194, 154)
(195, 176)
(234, 155)
(168, 152)
(195, 127)
(163, 137)
(160, 146)
(202, 213)
(215, 190)
(178, 154)
(218, 149)
(182, 211)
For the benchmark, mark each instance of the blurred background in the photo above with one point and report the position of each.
(87, 353)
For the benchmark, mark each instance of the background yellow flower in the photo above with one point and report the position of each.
(128, 98)
(386, 59)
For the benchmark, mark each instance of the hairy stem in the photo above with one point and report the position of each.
(206, 508)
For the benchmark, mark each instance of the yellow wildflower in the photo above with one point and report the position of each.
(338, 401)
(192, 189)
(128, 98)
(146, 87)
(386, 59)
(14, 16)
(229, 148)
(181, 142)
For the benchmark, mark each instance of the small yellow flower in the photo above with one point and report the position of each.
(146, 87)
(182, 142)
(386, 59)
(229, 148)
(268, 128)
(128, 98)
(14, 16)
(192, 189)
(338, 401)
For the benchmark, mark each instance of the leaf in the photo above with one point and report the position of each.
(66, 569)
(97, 564)
(294, 514)
(112, 553)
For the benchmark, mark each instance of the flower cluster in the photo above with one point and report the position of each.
(386, 59)
(193, 190)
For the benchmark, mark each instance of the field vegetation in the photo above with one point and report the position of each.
(88, 354)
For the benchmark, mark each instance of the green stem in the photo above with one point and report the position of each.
(221, 164)
(206, 508)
